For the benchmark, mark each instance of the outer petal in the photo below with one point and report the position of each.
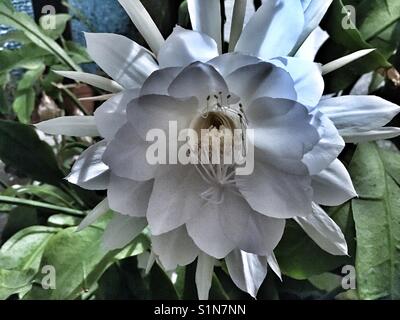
(129, 197)
(358, 113)
(333, 186)
(159, 81)
(101, 209)
(121, 230)
(247, 270)
(324, 231)
(273, 30)
(328, 148)
(372, 135)
(174, 248)
(111, 115)
(184, 47)
(74, 126)
(121, 58)
(229, 62)
(275, 193)
(126, 155)
(89, 171)
(204, 274)
(175, 198)
(307, 78)
(205, 16)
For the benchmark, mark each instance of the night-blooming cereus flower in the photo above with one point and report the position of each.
(207, 211)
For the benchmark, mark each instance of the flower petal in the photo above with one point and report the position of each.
(101, 209)
(121, 58)
(247, 270)
(144, 23)
(121, 230)
(129, 197)
(333, 186)
(204, 274)
(273, 30)
(229, 62)
(74, 126)
(372, 135)
(205, 16)
(126, 155)
(175, 198)
(358, 113)
(307, 78)
(341, 62)
(159, 81)
(174, 248)
(89, 171)
(275, 193)
(111, 115)
(93, 80)
(273, 264)
(184, 47)
(324, 231)
(238, 17)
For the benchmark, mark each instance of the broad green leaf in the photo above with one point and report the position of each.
(14, 36)
(24, 104)
(14, 281)
(63, 220)
(28, 57)
(53, 25)
(300, 257)
(21, 21)
(21, 148)
(377, 219)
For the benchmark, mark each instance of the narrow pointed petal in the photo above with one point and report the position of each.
(239, 13)
(358, 113)
(121, 230)
(341, 62)
(273, 30)
(204, 274)
(372, 135)
(247, 270)
(205, 16)
(174, 248)
(273, 264)
(324, 231)
(92, 79)
(89, 171)
(73, 126)
(122, 59)
(144, 23)
(184, 47)
(333, 186)
(314, 11)
(101, 209)
(312, 45)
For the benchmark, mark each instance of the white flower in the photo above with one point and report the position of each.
(195, 211)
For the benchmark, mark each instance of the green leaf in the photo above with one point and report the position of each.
(377, 218)
(77, 52)
(63, 220)
(28, 57)
(295, 250)
(21, 21)
(161, 287)
(21, 148)
(14, 36)
(19, 218)
(54, 29)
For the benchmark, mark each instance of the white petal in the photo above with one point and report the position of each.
(129, 197)
(372, 135)
(327, 149)
(324, 231)
(93, 80)
(126, 155)
(273, 30)
(89, 171)
(111, 115)
(333, 186)
(204, 274)
(121, 58)
(74, 126)
(247, 270)
(101, 209)
(307, 78)
(121, 230)
(174, 248)
(144, 23)
(275, 193)
(230, 62)
(360, 113)
(184, 47)
(312, 45)
(238, 15)
(159, 81)
(273, 264)
(313, 14)
(175, 197)
(341, 62)
(205, 16)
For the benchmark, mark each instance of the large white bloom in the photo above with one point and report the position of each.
(198, 212)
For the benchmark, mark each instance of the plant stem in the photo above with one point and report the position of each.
(74, 99)
(42, 205)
